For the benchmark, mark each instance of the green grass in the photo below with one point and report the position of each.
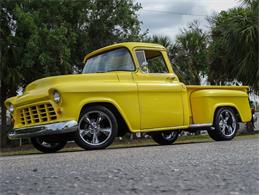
(120, 144)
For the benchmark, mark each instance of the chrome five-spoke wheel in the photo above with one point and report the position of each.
(225, 125)
(97, 128)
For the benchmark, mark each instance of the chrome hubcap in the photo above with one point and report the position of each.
(95, 128)
(169, 135)
(227, 123)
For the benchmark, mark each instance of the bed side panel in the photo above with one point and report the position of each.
(204, 102)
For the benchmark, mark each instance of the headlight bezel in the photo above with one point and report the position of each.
(11, 108)
(56, 97)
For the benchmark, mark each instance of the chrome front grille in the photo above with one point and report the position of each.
(37, 114)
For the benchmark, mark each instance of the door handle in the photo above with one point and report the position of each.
(171, 78)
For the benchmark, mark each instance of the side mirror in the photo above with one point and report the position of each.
(144, 67)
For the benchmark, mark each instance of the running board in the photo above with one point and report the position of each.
(205, 126)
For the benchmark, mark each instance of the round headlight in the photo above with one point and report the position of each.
(56, 97)
(11, 108)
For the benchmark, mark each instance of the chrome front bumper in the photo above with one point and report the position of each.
(48, 129)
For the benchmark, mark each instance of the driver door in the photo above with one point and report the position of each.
(159, 91)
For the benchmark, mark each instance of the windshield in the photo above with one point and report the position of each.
(115, 60)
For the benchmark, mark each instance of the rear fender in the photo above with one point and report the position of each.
(204, 104)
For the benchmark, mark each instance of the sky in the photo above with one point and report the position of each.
(168, 17)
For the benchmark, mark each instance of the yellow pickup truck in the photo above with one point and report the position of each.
(125, 87)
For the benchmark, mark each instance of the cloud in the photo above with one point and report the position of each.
(167, 17)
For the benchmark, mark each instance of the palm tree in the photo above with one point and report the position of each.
(234, 48)
(160, 39)
(190, 54)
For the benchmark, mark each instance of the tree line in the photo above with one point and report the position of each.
(227, 52)
(40, 38)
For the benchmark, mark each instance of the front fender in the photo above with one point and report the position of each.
(91, 100)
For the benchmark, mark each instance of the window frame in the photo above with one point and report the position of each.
(151, 49)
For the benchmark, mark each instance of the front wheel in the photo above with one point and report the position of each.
(165, 137)
(46, 146)
(97, 128)
(225, 125)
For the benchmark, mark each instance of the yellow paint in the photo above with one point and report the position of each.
(147, 102)
(205, 101)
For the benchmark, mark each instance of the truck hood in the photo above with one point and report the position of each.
(39, 89)
(77, 78)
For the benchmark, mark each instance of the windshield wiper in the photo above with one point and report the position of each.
(109, 71)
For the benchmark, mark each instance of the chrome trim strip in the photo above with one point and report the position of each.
(40, 130)
(200, 125)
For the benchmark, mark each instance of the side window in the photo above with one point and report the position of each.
(151, 61)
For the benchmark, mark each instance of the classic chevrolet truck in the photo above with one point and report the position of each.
(126, 87)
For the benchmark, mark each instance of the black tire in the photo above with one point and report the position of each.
(250, 127)
(225, 125)
(165, 137)
(47, 147)
(97, 128)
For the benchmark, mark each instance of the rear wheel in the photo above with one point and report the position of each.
(165, 137)
(97, 128)
(225, 125)
(45, 146)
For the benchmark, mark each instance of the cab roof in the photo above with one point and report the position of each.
(129, 45)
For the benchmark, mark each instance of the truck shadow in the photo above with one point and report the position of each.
(74, 148)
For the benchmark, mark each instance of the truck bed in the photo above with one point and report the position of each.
(204, 100)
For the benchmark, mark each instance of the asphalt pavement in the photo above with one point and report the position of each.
(200, 168)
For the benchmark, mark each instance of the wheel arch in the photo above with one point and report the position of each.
(123, 124)
(231, 106)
